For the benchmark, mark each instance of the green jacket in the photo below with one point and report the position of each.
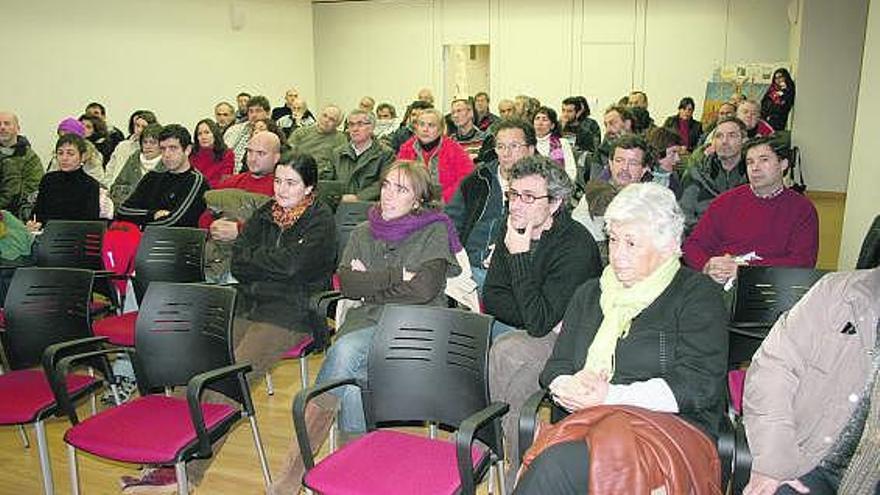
(20, 174)
(318, 144)
(703, 181)
(352, 174)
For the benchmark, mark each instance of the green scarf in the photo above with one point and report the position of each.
(620, 305)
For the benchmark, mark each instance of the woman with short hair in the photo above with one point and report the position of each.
(648, 333)
(550, 141)
(68, 193)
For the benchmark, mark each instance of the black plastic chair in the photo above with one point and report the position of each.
(71, 244)
(47, 318)
(349, 216)
(426, 364)
(165, 254)
(184, 338)
(869, 254)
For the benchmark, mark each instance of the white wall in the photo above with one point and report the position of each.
(862, 204)
(549, 48)
(176, 57)
(829, 63)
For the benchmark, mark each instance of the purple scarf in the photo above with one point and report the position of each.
(397, 230)
(556, 153)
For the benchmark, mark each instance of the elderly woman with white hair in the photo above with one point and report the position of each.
(641, 359)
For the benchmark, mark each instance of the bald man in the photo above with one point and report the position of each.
(20, 168)
(425, 95)
(320, 140)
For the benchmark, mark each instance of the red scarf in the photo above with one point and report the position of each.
(286, 217)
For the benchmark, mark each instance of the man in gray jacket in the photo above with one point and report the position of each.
(812, 395)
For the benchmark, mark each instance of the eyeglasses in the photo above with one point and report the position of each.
(526, 198)
(514, 147)
(358, 124)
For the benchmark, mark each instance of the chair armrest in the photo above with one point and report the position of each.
(742, 460)
(58, 378)
(726, 445)
(302, 398)
(321, 301)
(194, 389)
(528, 420)
(464, 440)
(56, 351)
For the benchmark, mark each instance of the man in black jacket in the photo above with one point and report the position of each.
(541, 256)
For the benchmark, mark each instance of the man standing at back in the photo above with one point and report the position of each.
(20, 168)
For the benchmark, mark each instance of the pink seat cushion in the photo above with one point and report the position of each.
(736, 381)
(119, 330)
(387, 462)
(147, 430)
(25, 393)
(299, 350)
(2, 319)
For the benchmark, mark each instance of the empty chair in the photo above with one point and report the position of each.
(183, 338)
(45, 307)
(71, 244)
(425, 364)
(165, 254)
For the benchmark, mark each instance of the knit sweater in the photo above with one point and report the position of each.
(213, 170)
(181, 194)
(783, 230)
(320, 145)
(67, 196)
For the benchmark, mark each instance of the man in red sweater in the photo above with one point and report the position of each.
(759, 223)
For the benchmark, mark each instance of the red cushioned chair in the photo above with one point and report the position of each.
(47, 318)
(166, 254)
(183, 338)
(426, 364)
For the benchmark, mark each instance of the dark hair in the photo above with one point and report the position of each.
(551, 114)
(659, 139)
(632, 142)
(641, 119)
(415, 105)
(387, 106)
(242, 94)
(97, 105)
(482, 93)
(624, 112)
(685, 102)
(779, 142)
(259, 101)
(178, 132)
(147, 115)
(303, 163)
(98, 125)
(219, 147)
(150, 131)
(586, 105)
(575, 101)
(272, 127)
(788, 80)
(70, 138)
(517, 123)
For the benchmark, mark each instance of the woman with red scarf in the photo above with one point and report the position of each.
(778, 100)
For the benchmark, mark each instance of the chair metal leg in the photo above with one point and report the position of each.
(432, 431)
(24, 437)
(492, 479)
(114, 389)
(45, 463)
(182, 483)
(72, 466)
(499, 466)
(261, 452)
(270, 389)
(304, 371)
(334, 434)
(93, 401)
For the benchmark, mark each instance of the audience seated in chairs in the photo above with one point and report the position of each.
(210, 155)
(20, 167)
(138, 121)
(402, 254)
(812, 395)
(320, 140)
(540, 259)
(239, 135)
(148, 159)
(760, 223)
(649, 335)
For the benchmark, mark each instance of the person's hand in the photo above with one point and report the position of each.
(518, 243)
(760, 484)
(33, 226)
(161, 214)
(349, 198)
(224, 230)
(579, 391)
(709, 150)
(596, 384)
(721, 268)
(358, 265)
(407, 276)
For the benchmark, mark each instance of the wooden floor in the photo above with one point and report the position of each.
(236, 469)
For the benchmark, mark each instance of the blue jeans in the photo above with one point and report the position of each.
(347, 358)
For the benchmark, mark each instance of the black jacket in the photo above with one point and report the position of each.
(530, 291)
(279, 270)
(67, 196)
(680, 337)
(477, 210)
(182, 194)
(695, 130)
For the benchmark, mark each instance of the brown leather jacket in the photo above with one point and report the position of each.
(636, 451)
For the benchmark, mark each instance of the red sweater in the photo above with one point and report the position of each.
(246, 182)
(451, 161)
(214, 171)
(783, 230)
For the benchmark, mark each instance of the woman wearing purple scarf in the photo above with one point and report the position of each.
(402, 254)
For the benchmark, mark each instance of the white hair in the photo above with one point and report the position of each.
(653, 206)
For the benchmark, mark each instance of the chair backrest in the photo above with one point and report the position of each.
(71, 244)
(45, 306)
(763, 293)
(428, 364)
(183, 330)
(169, 254)
(349, 216)
(869, 255)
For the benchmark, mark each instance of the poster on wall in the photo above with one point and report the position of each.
(745, 80)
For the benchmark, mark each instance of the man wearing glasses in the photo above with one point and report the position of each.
(541, 256)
